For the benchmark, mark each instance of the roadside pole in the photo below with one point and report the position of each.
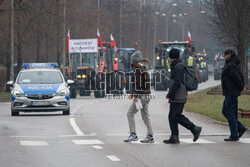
(12, 41)
(64, 36)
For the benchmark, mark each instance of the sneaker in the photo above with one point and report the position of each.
(148, 139)
(241, 132)
(196, 132)
(174, 139)
(132, 137)
(231, 139)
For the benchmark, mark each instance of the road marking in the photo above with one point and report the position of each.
(98, 147)
(34, 143)
(28, 136)
(75, 127)
(244, 140)
(113, 158)
(89, 135)
(87, 142)
(139, 142)
(201, 141)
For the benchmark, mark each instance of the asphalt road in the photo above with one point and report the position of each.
(93, 134)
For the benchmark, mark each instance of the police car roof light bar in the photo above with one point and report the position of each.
(39, 65)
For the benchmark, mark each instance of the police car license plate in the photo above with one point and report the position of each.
(40, 103)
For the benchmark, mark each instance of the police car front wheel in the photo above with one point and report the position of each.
(14, 113)
(66, 112)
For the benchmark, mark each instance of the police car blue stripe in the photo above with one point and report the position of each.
(39, 88)
(12, 97)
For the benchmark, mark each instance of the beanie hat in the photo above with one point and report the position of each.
(136, 56)
(231, 52)
(174, 53)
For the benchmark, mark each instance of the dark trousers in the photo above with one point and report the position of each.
(176, 117)
(229, 110)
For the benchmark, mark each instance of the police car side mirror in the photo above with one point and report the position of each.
(70, 82)
(10, 83)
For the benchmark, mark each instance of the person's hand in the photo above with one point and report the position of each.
(244, 90)
(135, 100)
(167, 98)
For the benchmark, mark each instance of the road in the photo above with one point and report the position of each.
(93, 134)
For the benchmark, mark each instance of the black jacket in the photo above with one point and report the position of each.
(177, 92)
(140, 82)
(232, 80)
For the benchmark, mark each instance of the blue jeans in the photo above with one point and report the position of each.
(229, 110)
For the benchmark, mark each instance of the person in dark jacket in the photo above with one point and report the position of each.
(177, 97)
(232, 82)
(140, 92)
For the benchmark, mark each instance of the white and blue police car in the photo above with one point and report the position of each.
(40, 87)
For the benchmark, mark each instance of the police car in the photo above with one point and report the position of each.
(40, 87)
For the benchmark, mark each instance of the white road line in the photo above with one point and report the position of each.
(244, 140)
(29, 136)
(89, 135)
(6, 103)
(113, 158)
(75, 127)
(201, 141)
(87, 142)
(34, 143)
(98, 147)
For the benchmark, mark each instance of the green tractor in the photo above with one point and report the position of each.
(162, 64)
(203, 68)
(83, 66)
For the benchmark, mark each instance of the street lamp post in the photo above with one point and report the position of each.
(186, 20)
(173, 5)
(120, 23)
(98, 14)
(64, 36)
(12, 40)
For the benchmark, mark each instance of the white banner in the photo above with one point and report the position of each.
(83, 46)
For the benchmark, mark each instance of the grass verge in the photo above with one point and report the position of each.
(4, 96)
(211, 105)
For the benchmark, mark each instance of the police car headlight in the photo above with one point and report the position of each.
(17, 93)
(62, 93)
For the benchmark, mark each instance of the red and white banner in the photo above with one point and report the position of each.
(67, 41)
(99, 39)
(113, 42)
(189, 38)
(204, 52)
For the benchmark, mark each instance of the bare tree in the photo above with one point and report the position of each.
(229, 19)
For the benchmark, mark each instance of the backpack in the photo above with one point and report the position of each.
(190, 79)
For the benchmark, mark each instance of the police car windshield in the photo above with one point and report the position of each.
(39, 77)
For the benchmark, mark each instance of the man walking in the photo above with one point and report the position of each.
(232, 82)
(140, 91)
(177, 97)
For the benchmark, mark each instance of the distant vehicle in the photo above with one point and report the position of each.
(162, 64)
(81, 66)
(40, 87)
(203, 70)
(218, 65)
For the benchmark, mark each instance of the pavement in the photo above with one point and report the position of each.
(93, 135)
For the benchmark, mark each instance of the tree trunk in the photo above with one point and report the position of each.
(38, 42)
(58, 39)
